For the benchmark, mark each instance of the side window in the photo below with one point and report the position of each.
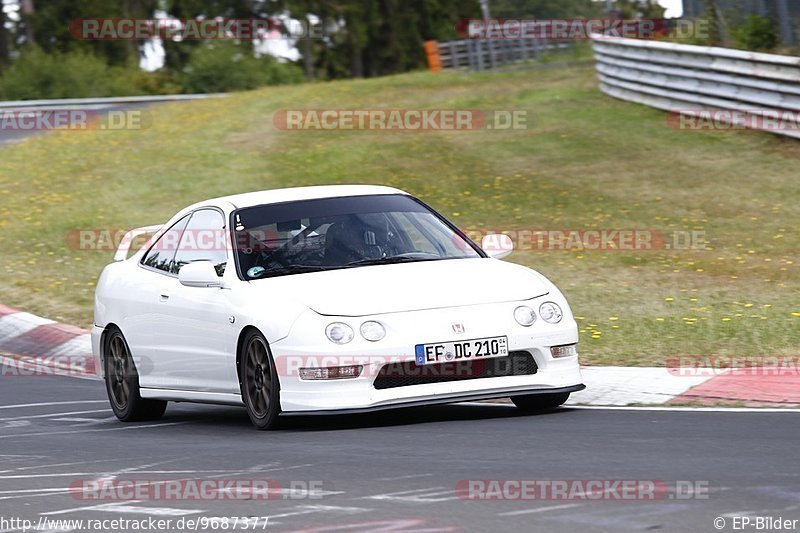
(161, 255)
(203, 240)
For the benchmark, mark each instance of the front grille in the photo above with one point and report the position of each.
(409, 373)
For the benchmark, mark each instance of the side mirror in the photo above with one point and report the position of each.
(497, 245)
(199, 274)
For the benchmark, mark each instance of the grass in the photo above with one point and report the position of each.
(585, 161)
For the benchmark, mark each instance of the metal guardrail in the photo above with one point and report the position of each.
(112, 101)
(678, 77)
(482, 54)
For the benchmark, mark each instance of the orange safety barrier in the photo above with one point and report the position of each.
(432, 53)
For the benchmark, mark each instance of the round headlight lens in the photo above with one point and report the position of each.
(339, 332)
(373, 331)
(551, 312)
(524, 316)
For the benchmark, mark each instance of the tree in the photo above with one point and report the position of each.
(48, 26)
(757, 33)
(717, 35)
(5, 55)
(177, 53)
(546, 9)
(377, 37)
(28, 13)
(639, 9)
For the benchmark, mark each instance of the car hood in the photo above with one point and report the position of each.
(377, 289)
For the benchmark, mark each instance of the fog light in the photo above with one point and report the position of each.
(568, 350)
(333, 372)
(524, 315)
(339, 332)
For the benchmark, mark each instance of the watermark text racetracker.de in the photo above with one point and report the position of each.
(590, 239)
(401, 119)
(579, 29)
(733, 365)
(712, 119)
(199, 239)
(199, 29)
(217, 489)
(581, 489)
(72, 119)
(58, 365)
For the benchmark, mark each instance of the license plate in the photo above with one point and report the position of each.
(443, 352)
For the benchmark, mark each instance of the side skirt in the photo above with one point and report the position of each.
(220, 398)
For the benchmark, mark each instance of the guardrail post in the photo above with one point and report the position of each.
(451, 53)
(508, 53)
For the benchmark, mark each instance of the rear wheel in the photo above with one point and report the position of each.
(540, 402)
(122, 383)
(259, 383)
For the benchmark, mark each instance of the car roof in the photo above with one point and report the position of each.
(274, 196)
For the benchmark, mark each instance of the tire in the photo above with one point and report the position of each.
(122, 382)
(532, 403)
(258, 381)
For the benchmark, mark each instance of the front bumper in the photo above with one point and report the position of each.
(434, 401)
(299, 396)
(97, 335)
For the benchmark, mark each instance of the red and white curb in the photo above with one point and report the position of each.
(626, 385)
(33, 345)
(620, 386)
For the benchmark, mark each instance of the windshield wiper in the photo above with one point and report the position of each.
(389, 260)
(303, 269)
(294, 269)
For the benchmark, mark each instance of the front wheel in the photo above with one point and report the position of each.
(258, 381)
(122, 383)
(540, 402)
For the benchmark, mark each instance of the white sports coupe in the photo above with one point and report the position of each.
(319, 300)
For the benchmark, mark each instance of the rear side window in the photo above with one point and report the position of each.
(161, 255)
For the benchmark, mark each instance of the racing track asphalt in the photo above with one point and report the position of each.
(396, 469)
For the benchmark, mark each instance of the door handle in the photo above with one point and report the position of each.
(164, 296)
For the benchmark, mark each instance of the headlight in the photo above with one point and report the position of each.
(524, 316)
(339, 332)
(373, 331)
(550, 312)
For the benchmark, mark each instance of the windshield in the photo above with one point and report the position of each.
(332, 233)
